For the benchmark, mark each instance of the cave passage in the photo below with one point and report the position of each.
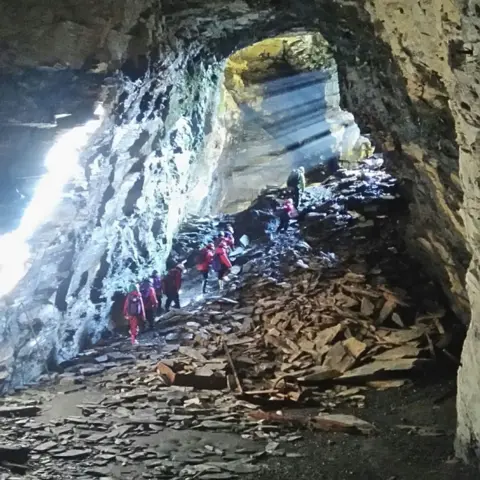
(332, 312)
(108, 203)
(281, 107)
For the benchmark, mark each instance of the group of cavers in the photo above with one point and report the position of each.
(144, 302)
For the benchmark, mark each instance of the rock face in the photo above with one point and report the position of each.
(408, 71)
(141, 167)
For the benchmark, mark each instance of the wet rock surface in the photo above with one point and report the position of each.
(281, 104)
(214, 393)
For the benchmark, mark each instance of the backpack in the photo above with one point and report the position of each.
(201, 257)
(157, 283)
(293, 213)
(293, 179)
(216, 263)
(169, 279)
(134, 305)
(145, 292)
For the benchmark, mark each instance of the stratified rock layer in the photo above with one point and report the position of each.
(408, 70)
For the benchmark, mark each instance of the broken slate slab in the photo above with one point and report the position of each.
(319, 374)
(135, 395)
(382, 369)
(214, 425)
(116, 356)
(101, 359)
(96, 437)
(404, 336)
(91, 370)
(192, 353)
(216, 476)
(69, 379)
(44, 447)
(238, 467)
(404, 351)
(19, 411)
(99, 472)
(74, 454)
(145, 420)
(342, 423)
(271, 446)
(204, 372)
(367, 307)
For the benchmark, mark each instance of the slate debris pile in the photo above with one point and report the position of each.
(316, 329)
(319, 338)
(350, 215)
(306, 318)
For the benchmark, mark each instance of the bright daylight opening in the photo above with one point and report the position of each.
(61, 163)
(281, 104)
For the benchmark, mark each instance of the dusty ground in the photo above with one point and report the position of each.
(393, 454)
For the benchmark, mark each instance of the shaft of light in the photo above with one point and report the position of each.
(61, 163)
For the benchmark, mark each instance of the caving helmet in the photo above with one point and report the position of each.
(210, 246)
(133, 288)
(221, 234)
(301, 169)
(229, 229)
(288, 201)
(154, 273)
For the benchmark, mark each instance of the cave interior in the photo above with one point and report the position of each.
(118, 122)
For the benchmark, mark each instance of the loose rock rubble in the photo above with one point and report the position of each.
(119, 423)
(296, 327)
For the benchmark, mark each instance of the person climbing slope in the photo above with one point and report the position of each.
(157, 285)
(203, 263)
(218, 239)
(296, 183)
(229, 238)
(150, 302)
(288, 211)
(134, 311)
(221, 263)
(171, 284)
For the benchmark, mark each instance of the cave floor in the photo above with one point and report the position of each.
(114, 413)
(106, 428)
(393, 454)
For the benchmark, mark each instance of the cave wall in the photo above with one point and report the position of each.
(464, 94)
(435, 154)
(408, 70)
(141, 172)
